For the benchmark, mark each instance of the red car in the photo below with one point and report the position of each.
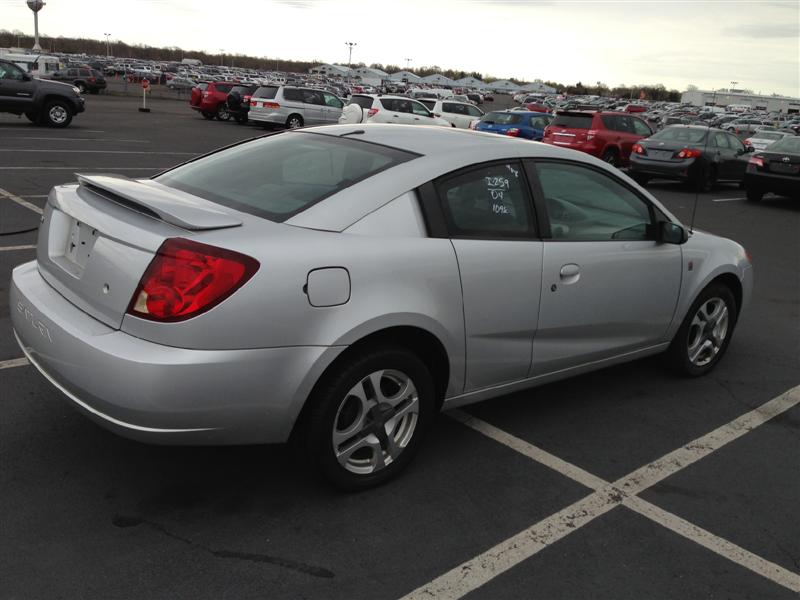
(606, 135)
(210, 98)
(533, 106)
(635, 108)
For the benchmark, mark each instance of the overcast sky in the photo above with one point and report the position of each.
(706, 43)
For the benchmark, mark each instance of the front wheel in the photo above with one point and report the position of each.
(367, 419)
(32, 117)
(754, 195)
(705, 333)
(223, 114)
(207, 115)
(611, 157)
(57, 114)
(294, 121)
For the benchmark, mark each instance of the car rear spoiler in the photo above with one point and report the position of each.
(158, 201)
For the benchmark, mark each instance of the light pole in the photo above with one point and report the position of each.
(408, 63)
(350, 59)
(108, 52)
(35, 6)
(222, 57)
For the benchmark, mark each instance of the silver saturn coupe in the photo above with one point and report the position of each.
(336, 286)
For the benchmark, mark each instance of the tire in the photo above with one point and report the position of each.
(642, 180)
(700, 334)
(207, 115)
(223, 114)
(611, 156)
(351, 432)
(754, 195)
(294, 121)
(57, 113)
(705, 179)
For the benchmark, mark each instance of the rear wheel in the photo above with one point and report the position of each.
(57, 114)
(294, 121)
(705, 333)
(705, 179)
(366, 420)
(754, 195)
(223, 114)
(611, 156)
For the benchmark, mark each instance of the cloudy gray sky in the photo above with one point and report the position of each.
(708, 43)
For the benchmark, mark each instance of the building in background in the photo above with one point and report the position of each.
(773, 103)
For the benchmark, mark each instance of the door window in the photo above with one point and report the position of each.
(293, 94)
(8, 71)
(312, 97)
(474, 111)
(641, 128)
(735, 143)
(488, 201)
(418, 109)
(721, 141)
(331, 100)
(587, 205)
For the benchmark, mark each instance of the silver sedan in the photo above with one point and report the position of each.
(336, 286)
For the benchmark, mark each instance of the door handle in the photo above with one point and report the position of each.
(570, 270)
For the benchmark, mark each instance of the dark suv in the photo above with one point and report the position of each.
(239, 102)
(606, 135)
(83, 78)
(41, 101)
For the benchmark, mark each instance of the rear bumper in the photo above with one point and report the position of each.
(788, 185)
(265, 116)
(683, 170)
(155, 393)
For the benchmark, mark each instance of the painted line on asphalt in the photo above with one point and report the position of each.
(29, 128)
(20, 201)
(479, 570)
(68, 139)
(17, 150)
(14, 362)
(16, 248)
(728, 199)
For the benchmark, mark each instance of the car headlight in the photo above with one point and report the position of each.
(76, 90)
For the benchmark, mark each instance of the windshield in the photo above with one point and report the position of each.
(281, 175)
(501, 118)
(267, 91)
(574, 121)
(680, 134)
(790, 145)
(765, 135)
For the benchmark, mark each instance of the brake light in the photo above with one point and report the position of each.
(372, 112)
(513, 132)
(639, 149)
(270, 105)
(92, 79)
(757, 161)
(590, 134)
(253, 103)
(688, 153)
(187, 278)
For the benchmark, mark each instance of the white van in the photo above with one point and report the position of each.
(739, 108)
(38, 65)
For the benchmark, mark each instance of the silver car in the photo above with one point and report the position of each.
(294, 107)
(363, 277)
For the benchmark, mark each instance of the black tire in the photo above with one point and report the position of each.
(678, 355)
(611, 156)
(207, 115)
(57, 113)
(329, 403)
(754, 195)
(705, 178)
(294, 121)
(223, 114)
(642, 180)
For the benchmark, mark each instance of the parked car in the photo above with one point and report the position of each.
(239, 102)
(606, 135)
(85, 79)
(635, 108)
(210, 99)
(515, 123)
(762, 138)
(338, 290)
(401, 110)
(700, 156)
(41, 101)
(745, 127)
(293, 107)
(463, 115)
(181, 83)
(475, 97)
(776, 170)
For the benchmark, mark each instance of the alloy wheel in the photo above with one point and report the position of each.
(707, 331)
(58, 114)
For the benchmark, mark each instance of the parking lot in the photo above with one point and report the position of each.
(624, 483)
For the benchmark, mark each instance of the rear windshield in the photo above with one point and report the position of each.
(267, 91)
(362, 101)
(202, 87)
(223, 87)
(502, 118)
(241, 89)
(573, 121)
(278, 176)
(765, 135)
(681, 134)
(790, 145)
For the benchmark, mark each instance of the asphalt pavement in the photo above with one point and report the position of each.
(526, 496)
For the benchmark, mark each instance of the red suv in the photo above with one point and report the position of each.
(607, 135)
(210, 98)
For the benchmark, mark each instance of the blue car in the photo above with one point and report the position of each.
(516, 123)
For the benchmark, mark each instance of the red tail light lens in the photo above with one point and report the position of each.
(639, 149)
(187, 278)
(513, 132)
(372, 112)
(92, 79)
(747, 143)
(757, 161)
(253, 103)
(688, 153)
(271, 105)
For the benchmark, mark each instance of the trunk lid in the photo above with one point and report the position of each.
(97, 238)
(568, 129)
(780, 163)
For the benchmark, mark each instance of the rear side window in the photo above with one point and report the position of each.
(452, 107)
(539, 122)
(268, 91)
(573, 121)
(293, 94)
(487, 201)
(278, 176)
(223, 88)
(362, 101)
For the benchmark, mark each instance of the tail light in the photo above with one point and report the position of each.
(253, 103)
(372, 112)
(206, 94)
(513, 132)
(92, 79)
(590, 134)
(747, 143)
(639, 149)
(757, 161)
(188, 278)
(270, 105)
(688, 153)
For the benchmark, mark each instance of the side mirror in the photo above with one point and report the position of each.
(671, 233)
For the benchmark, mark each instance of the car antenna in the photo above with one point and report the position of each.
(701, 181)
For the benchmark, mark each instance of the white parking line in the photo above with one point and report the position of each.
(18, 150)
(14, 362)
(477, 571)
(20, 201)
(16, 248)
